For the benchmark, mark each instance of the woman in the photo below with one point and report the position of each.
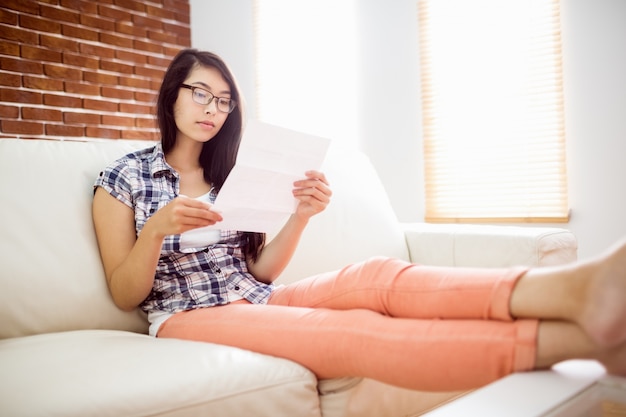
(413, 326)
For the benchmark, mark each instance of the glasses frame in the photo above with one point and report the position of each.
(231, 103)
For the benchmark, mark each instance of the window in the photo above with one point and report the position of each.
(494, 139)
(305, 66)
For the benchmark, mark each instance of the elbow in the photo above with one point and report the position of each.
(121, 298)
(126, 307)
(123, 304)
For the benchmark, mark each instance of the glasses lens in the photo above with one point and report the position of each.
(225, 105)
(201, 96)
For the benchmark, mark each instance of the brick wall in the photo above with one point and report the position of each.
(86, 69)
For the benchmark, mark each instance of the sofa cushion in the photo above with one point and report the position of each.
(358, 223)
(114, 373)
(51, 276)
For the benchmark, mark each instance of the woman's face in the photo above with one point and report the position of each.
(200, 122)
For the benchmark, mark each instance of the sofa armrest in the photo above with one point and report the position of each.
(489, 246)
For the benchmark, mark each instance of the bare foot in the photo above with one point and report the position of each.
(604, 317)
(614, 360)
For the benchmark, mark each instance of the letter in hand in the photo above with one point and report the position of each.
(313, 194)
(182, 214)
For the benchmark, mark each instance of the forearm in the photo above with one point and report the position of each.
(276, 254)
(131, 282)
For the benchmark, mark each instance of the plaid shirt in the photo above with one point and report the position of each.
(185, 279)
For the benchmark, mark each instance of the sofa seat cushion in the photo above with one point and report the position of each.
(117, 373)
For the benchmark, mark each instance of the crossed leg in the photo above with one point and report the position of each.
(431, 328)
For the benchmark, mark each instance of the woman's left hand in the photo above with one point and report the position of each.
(313, 194)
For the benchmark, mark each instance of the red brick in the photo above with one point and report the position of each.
(170, 52)
(37, 23)
(81, 6)
(100, 105)
(115, 14)
(79, 32)
(20, 96)
(159, 12)
(58, 43)
(13, 33)
(96, 50)
(183, 41)
(103, 133)
(119, 93)
(139, 135)
(183, 18)
(179, 6)
(136, 108)
(117, 120)
(32, 113)
(129, 29)
(9, 48)
(61, 72)
(156, 61)
(142, 122)
(162, 37)
(177, 29)
(110, 39)
(97, 22)
(133, 57)
(8, 17)
(130, 5)
(64, 130)
(62, 101)
(21, 66)
(40, 54)
(148, 46)
(57, 14)
(21, 127)
(148, 22)
(99, 78)
(10, 79)
(9, 112)
(81, 118)
(39, 83)
(156, 84)
(22, 6)
(150, 72)
(146, 97)
(116, 67)
(83, 89)
(80, 61)
(135, 82)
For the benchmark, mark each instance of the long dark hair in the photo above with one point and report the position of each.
(218, 154)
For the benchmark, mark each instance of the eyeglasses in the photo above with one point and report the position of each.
(204, 97)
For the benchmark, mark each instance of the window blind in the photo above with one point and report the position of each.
(493, 116)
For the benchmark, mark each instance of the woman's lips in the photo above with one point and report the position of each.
(207, 124)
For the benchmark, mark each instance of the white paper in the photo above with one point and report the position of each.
(257, 195)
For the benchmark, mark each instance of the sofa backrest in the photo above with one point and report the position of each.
(359, 222)
(51, 277)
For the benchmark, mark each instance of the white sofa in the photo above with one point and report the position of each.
(66, 350)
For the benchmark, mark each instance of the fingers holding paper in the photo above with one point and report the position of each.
(313, 194)
(183, 214)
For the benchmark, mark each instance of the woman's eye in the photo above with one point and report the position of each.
(201, 95)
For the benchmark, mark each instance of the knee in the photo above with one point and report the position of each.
(384, 263)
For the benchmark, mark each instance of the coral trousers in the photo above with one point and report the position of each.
(419, 327)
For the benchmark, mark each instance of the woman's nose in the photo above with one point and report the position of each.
(211, 107)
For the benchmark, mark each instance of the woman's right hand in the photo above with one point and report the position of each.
(129, 260)
(181, 215)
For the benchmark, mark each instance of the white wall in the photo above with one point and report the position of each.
(595, 94)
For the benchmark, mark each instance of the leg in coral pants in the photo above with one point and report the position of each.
(413, 326)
